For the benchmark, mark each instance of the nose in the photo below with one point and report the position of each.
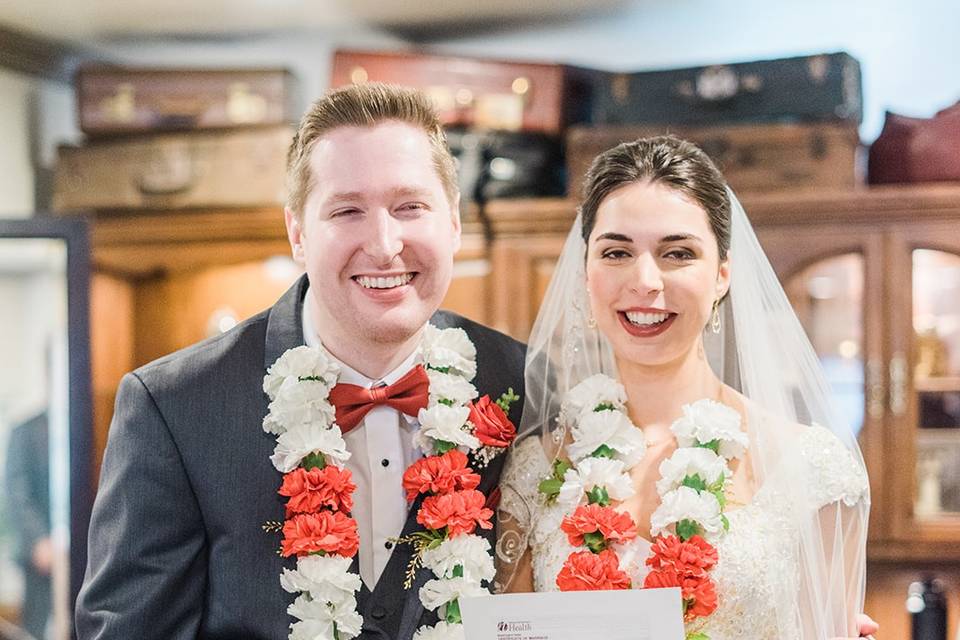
(647, 278)
(384, 238)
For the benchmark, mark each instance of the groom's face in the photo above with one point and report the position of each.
(377, 234)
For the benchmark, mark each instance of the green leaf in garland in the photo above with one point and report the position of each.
(458, 571)
(686, 529)
(598, 495)
(594, 541)
(604, 406)
(313, 461)
(603, 451)
(550, 487)
(713, 445)
(440, 369)
(721, 497)
(694, 482)
(560, 468)
(444, 401)
(699, 635)
(442, 446)
(725, 521)
(452, 613)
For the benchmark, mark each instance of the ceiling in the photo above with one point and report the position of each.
(86, 22)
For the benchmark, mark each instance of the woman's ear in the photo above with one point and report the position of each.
(723, 277)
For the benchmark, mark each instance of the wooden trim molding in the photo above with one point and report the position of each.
(38, 56)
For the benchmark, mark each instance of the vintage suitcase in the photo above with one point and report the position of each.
(243, 168)
(506, 164)
(116, 100)
(513, 96)
(811, 88)
(917, 149)
(762, 157)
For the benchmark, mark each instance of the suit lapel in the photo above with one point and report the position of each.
(285, 323)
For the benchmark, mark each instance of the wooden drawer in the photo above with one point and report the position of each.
(752, 157)
(243, 168)
(120, 100)
(514, 96)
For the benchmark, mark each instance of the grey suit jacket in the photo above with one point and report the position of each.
(176, 548)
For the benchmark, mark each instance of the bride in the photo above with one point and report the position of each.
(686, 436)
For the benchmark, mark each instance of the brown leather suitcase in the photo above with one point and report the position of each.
(917, 149)
(116, 100)
(243, 168)
(763, 157)
(512, 96)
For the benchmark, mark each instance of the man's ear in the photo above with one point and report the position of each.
(294, 235)
(457, 226)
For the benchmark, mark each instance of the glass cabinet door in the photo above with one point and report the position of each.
(832, 278)
(924, 378)
(936, 381)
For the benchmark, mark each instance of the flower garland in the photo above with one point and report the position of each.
(605, 445)
(318, 529)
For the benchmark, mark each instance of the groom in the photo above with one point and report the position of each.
(176, 545)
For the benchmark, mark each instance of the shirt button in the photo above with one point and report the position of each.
(385, 462)
(388, 544)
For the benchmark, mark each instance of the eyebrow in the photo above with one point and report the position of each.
(676, 237)
(399, 192)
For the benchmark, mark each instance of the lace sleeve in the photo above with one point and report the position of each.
(834, 473)
(520, 505)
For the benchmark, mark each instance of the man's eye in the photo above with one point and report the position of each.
(412, 206)
(344, 212)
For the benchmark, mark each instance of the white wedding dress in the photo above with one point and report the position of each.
(758, 556)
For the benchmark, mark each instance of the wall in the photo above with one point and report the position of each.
(16, 173)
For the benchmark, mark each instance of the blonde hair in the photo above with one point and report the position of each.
(365, 105)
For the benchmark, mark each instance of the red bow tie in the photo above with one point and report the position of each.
(407, 395)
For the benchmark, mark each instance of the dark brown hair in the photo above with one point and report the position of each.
(365, 105)
(666, 160)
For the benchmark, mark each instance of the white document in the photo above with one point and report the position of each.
(628, 614)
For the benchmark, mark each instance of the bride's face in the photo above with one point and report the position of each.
(653, 273)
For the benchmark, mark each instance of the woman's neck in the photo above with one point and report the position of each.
(656, 393)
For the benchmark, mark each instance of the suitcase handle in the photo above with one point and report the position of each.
(169, 172)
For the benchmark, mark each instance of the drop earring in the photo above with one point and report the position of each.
(715, 318)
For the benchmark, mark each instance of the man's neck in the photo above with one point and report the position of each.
(370, 358)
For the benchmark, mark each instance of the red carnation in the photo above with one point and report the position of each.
(588, 571)
(310, 491)
(699, 594)
(491, 424)
(691, 558)
(439, 474)
(613, 525)
(328, 531)
(460, 512)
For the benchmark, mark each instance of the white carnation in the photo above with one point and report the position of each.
(469, 551)
(691, 461)
(436, 593)
(595, 472)
(585, 397)
(297, 402)
(612, 428)
(449, 348)
(633, 556)
(324, 578)
(451, 387)
(684, 503)
(301, 362)
(445, 423)
(316, 615)
(705, 421)
(299, 442)
(441, 631)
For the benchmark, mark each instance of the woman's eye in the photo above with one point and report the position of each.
(614, 254)
(680, 254)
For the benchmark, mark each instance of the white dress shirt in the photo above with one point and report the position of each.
(381, 448)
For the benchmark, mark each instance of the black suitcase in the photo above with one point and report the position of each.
(507, 164)
(818, 88)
